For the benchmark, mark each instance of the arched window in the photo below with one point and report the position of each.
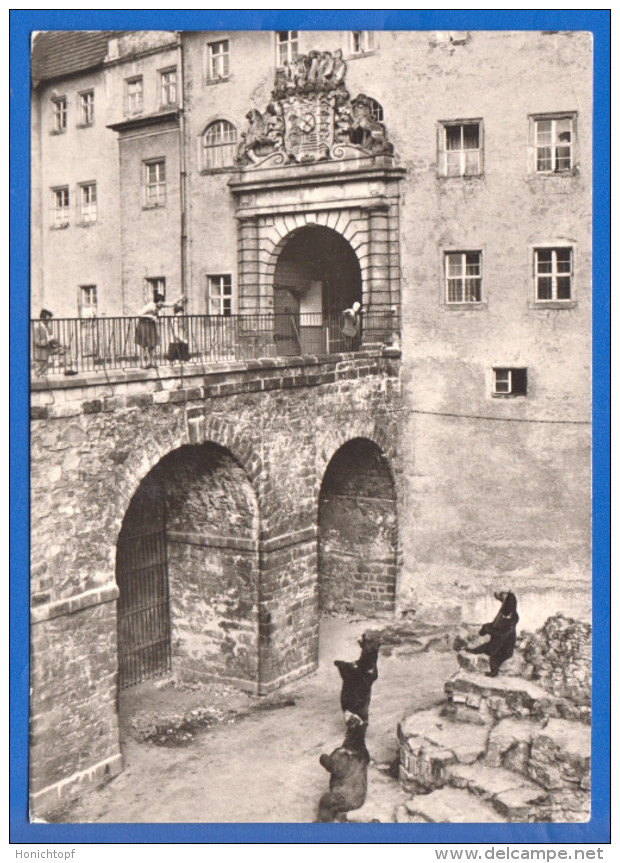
(219, 145)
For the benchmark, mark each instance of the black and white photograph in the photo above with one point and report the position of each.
(310, 426)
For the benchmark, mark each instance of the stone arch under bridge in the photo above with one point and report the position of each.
(188, 572)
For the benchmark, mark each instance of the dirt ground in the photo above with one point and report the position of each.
(245, 760)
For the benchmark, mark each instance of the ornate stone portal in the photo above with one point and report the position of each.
(311, 117)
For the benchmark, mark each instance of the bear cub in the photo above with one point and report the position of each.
(348, 769)
(502, 632)
(358, 678)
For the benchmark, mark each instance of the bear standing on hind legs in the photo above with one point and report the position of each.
(348, 769)
(502, 632)
(358, 678)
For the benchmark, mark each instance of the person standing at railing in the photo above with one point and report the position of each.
(352, 325)
(147, 333)
(44, 343)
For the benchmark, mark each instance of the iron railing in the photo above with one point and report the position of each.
(96, 344)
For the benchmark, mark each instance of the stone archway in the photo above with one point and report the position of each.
(316, 277)
(358, 531)
(188, 571)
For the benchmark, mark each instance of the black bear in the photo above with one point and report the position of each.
(358, 678)
(348, 769)
(502, 633)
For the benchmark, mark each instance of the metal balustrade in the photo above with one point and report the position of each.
(81, 345)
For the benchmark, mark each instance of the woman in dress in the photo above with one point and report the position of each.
(147, 333)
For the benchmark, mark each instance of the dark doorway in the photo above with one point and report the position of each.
(358, 531)
(142, 577)
(317, 276)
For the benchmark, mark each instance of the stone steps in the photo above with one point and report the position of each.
(447, 806)
(495, 744)
(477, 699)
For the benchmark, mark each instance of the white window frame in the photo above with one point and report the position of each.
(155, 190)
(287, 49)
(462, 152)
(59, 114)
(154, 285)
(553, 145)
(61, 210)
(134, 99)
(87, 301)
(87, 203)
(87, 107)
(503, 382)
(365, 40)
(218, 154)
(554, 274)
(169, 86)
(217, 57)
(219, 294)
(462, 277)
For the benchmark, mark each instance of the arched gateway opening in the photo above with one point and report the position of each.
(187, 571)
(317, 276)
(358, 531)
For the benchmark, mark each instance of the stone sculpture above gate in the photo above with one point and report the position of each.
(311, 117)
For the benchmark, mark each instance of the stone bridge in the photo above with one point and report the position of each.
(198, 521)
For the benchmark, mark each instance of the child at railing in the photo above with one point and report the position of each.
(179, 347)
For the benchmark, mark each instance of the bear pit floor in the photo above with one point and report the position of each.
(259, 760)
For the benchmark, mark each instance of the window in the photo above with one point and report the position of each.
(60, 207)
(287, 46)
(218, 60)
(87, 108)
(88, 203)
(361, 41)
(219, 145)
(155, 286)
(59, 114)
(219, 295)
(553, 141)
(509, 382)
(168, 80)
(88, 301)
(463, 277)
(134, 95)
(155, 182)
(460, 149)
(554, 274)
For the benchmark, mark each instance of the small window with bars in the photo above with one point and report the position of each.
(60, 207)
(463, 277)
(87, 108)
(219, 295)
(218, 67)
(287, 46)
(155, 183)
(553, 143)
(87, 202)
(362, 41)
(59, 114)
(460, 149)
(219, 145)
(554, 274)
(509, 382)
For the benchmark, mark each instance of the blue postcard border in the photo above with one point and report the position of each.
(22, 23)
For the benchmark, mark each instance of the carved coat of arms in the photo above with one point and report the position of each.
(311, 117)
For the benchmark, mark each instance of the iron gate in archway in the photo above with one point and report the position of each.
(142, 576)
